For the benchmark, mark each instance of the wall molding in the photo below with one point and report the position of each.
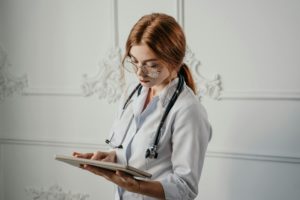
(34, 91)
(103, 146)
(114, 24)
(224, 95)
(254, 157)
(180, 12)
(260, 95)
(52, 143)
(1, 174)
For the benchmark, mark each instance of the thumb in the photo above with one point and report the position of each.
(120, 173)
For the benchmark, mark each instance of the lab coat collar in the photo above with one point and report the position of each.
(166, 94)
(161, 100)
(139, 102)
(163, 97)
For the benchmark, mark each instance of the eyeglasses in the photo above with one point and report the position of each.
(152, 70)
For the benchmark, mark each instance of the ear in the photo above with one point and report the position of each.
(173, 74)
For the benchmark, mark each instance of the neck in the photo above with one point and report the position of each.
(152, 92)
(156, 89)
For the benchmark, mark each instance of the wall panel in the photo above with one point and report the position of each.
(254, 152)
(75, 119)
(253, 45)
(247, 179)
(32, 166)
(56, 42)
(257, 127)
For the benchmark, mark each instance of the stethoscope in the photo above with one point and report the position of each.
(151, 152)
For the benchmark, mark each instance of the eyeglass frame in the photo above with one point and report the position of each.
(146, 69)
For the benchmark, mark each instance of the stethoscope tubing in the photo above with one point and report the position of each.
(152, 150)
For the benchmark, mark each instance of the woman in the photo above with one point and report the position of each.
(162, 127)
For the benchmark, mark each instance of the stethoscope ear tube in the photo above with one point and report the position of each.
(137, 88)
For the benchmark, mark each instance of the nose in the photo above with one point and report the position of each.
(140, 71)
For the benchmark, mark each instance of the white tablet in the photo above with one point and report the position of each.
(75, 161)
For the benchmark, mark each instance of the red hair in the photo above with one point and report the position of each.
(164, 36)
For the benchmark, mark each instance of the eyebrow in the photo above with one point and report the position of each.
(151, 59)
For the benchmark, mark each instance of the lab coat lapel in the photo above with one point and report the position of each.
(137, 106)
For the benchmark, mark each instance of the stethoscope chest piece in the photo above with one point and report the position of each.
(151, 152)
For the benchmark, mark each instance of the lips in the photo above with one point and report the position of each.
(144, 81)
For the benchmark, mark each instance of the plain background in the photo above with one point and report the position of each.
(253, 45)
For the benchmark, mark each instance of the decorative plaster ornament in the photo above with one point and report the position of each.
(108, 83)
(9, 84)
(205, 87)
(55, 192)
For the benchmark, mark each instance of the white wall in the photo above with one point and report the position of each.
(253, 45)
(1, 120)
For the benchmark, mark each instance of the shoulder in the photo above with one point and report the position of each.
(189, 103)
(189, 112)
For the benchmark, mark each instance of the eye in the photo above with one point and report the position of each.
(152, 66)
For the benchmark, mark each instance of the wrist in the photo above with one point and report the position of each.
(138, 186)
(139, 182)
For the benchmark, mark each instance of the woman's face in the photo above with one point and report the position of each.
(150, 70)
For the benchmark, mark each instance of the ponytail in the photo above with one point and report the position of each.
(186, 73)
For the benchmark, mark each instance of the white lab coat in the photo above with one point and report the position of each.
(182, 145)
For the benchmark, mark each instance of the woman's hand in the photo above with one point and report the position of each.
(120, 178)
(127, 182)
(99, 155)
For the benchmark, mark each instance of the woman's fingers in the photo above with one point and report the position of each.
(76, 153)
(128, 182)
(120, 178)
(83, 155)
(108, 174)
(108, 159)
(122, 174)
(101, 172)
(99, 155)
(111, 157)
(105, 156)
